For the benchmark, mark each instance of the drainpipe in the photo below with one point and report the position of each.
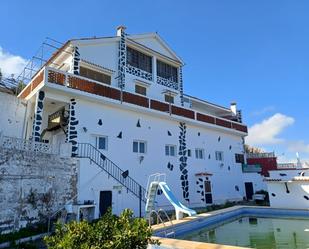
(140, 201)
(24, 131)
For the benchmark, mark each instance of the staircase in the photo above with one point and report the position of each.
(86, 150)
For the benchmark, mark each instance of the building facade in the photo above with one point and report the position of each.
(120, 102)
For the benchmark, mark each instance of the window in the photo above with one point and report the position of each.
(239, 158)
(140, 89)
(168, 98)
(170, 150)
(139, 147)
(189, 153)
(219, 155)
(95, 75)
(167, 71)
(139, 60)
(199, 153)
(101, 143)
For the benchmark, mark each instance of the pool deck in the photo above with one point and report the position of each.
(184, 244)
(201, 216)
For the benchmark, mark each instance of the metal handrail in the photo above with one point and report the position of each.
(159, 218)
(166, 215)
(85, 150)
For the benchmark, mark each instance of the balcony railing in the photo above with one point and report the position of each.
(167, 83)
(254, 168)
(27, 145)
(286, 165)
(139, 72)
(83, 84)
(261, 155)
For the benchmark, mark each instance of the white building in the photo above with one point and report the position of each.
(289, 188)
(120, 102)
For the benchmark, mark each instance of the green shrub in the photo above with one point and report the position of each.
(108, 232)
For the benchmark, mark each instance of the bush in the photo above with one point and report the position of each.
(108, 232)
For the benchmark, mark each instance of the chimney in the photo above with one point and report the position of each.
(234, 108)
(120, 30)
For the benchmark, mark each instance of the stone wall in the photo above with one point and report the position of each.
(33, 185)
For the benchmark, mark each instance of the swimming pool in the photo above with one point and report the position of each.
(256, 232)
(256, 227)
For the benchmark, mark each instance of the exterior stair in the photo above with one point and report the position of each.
(86, 150)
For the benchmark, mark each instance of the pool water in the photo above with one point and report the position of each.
(255, 232)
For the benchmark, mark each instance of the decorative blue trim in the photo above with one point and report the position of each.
(37, 121)
(183, 161)
(71, 136)
(76, 61)
(122, 60)
(181, 86)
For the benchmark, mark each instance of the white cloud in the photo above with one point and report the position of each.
(263, 111)
(298, 146)
(11, 64)
(267, 131)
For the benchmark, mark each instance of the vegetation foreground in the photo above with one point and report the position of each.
(110, 231)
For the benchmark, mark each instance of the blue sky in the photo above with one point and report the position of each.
(253, 52)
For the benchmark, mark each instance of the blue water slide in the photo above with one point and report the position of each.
(179, 207)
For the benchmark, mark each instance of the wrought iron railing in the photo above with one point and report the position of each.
(86, 150)
(27, 145)
(261, 155)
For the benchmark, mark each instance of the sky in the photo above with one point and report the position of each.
(253, 52)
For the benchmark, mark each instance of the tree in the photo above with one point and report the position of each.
(1, 75)
(108, 232)
(20, 86)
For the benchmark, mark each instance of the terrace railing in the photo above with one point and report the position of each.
(261, 155)
(27, 145)
(53, 76)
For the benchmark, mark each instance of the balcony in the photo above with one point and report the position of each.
(168, 83)
(47, 76)
(254, 168)
(139, 72)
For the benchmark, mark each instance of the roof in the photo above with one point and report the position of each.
(207, 102)
(157, 37)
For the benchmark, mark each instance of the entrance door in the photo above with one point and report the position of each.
(105, 201)
(249, 190)
(208, 194)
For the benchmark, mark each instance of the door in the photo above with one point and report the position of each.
(105, 201)
(249, 190)
(208, 194)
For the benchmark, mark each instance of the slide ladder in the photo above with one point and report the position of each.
(168, 230)
(155, 182)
